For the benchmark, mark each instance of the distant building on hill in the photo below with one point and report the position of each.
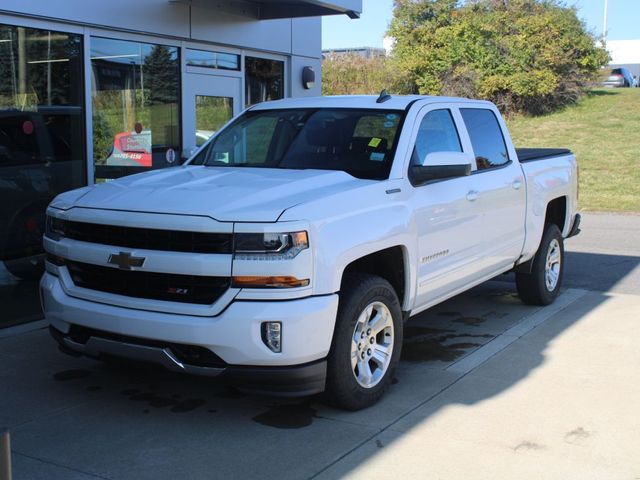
(364, 52)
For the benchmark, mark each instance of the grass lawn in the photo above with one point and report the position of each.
(603, 131)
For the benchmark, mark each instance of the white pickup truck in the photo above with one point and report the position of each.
(287, 253)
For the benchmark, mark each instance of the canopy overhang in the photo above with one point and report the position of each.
(272, 9)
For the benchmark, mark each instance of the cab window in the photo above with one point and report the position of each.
(486, 137)
(437, 133)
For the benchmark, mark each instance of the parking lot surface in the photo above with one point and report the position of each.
(487, 388)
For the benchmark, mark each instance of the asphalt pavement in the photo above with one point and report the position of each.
(487, 388)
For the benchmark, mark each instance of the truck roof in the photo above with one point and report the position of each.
(396, 102)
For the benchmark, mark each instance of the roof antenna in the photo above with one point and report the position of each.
(384, 96)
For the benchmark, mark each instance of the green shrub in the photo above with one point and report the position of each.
(530, 56)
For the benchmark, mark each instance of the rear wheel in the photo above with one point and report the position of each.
(366, 344)
(542, 285)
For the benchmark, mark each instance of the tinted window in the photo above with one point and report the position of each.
(359, 142)
(42, 152)
(136, 109)
(486, 137)
(437, 133)
(217, 60)
(264, 80)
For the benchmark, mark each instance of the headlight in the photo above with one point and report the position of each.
(54, 228)
(269, 246)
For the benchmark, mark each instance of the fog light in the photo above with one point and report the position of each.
(272, 336)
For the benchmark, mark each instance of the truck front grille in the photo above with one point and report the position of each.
(145, 238)
(156, 286)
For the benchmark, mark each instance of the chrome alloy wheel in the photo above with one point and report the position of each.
(552, 266)
(372, 344)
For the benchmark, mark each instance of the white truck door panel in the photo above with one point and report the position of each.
(501, 191)
(447, 220)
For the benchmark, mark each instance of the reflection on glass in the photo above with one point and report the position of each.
(41, 153)
(218, 60)
(264, 80)
(211, 114)
(135, 90)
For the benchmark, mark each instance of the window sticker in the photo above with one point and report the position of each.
(375, 142)
(389, 124)
(391, 117)
(377, 157)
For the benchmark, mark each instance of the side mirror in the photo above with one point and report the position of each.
(439, 166)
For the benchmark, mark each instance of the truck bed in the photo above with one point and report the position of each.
(533, 154)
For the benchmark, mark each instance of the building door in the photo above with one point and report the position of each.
(209, 102)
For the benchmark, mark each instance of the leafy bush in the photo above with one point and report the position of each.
(532, 56)
(352, 74)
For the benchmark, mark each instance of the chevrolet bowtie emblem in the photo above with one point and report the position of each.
(125, 261)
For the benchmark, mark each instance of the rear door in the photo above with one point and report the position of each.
(499, 190)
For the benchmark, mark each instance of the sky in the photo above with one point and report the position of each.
(369, 30)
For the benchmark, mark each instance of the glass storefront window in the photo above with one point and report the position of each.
(217, 60)
(136, 108)
(264, 80)
(211, 114)
(41, 152)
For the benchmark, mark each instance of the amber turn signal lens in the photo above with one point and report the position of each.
(269, 282)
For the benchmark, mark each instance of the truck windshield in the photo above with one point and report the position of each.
(360, 142)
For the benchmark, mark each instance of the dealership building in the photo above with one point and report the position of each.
(91, 91)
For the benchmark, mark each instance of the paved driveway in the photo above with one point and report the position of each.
(488, 388)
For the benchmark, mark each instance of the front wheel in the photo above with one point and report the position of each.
(366, 344)
(542, 285)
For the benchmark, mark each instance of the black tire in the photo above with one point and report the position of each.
(358, 292)
(532, 287)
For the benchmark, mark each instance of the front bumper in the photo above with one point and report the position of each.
(293, 381)
(234, 336)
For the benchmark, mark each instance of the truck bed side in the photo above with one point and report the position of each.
(549, 178)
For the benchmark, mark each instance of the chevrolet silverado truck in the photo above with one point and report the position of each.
(287, 253)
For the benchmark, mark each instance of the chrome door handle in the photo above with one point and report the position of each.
(517, 184)
(472, 196)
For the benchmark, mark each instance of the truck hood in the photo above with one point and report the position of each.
(227, 194)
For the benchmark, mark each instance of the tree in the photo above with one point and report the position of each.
(525, 55)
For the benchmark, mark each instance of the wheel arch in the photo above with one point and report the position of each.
(390, 263)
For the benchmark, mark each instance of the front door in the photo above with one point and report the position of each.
(209, 102)
(447, 218)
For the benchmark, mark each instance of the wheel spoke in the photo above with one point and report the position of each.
(380, 321)
(364, 372)
(354, 358)
(381, 355)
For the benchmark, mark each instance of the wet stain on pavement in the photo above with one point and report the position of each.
(394, 381)
(411, 331)
(156, 400)
(71, 375)
(470, 321)
(526, 446)
(287, 416)
(449, 314)
(577, 436)
(93, 388)
(230, 393)
(430, 349)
